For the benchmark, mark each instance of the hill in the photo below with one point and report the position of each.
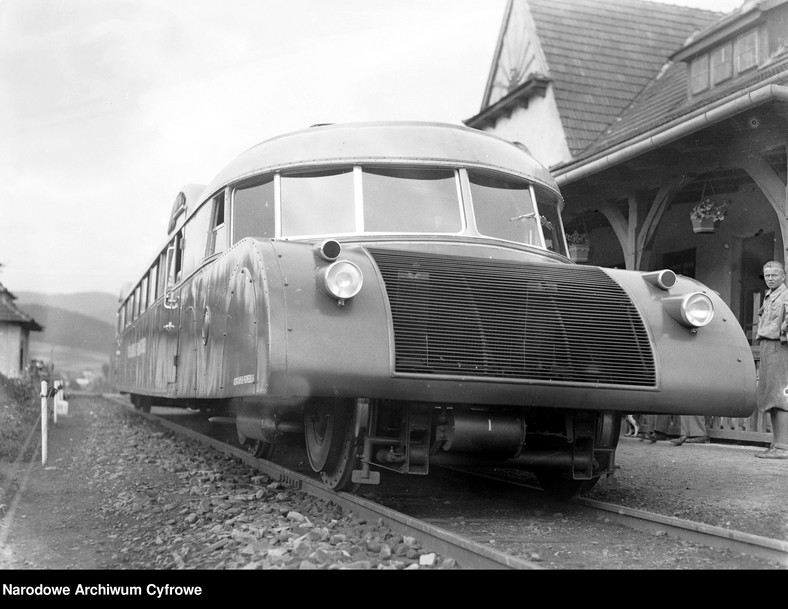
(70, 362)
(100, 305)
(73, 342)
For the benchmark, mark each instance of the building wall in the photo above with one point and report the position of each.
(11, 337)
(538, 127)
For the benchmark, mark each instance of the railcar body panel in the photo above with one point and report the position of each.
(623, 349)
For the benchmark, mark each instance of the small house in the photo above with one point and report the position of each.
(15, 328)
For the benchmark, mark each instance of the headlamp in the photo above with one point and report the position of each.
(693, 310)
(341, 279)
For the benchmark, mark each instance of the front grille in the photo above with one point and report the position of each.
(461, 316)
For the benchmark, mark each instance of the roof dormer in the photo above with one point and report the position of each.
(735, 46)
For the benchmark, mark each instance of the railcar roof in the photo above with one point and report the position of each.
(437, 143)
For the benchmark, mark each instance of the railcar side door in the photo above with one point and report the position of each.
(170, 315)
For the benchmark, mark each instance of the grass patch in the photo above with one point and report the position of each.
(20, 406)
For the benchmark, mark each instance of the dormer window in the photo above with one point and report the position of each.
(722, 63)
(699, 74)
(747, 51)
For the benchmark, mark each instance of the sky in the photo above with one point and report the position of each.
(109, 107)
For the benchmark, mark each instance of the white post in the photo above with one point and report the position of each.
(56, 387)
(44, 417)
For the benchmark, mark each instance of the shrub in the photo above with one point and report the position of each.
(19, 410)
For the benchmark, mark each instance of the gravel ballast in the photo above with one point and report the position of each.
(118, 492)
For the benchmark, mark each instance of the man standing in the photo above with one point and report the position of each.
(773, 371)
(693, 430)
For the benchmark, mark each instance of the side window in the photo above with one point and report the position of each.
(144, 294)
(153, 283)
(174, 260)
(129, 305)
(195, 238)
(254, 212)
(178, 260)
(136, 312)
(163, 272)
(217, 241)
(552, 227)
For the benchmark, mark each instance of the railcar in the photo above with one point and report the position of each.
(399, 295)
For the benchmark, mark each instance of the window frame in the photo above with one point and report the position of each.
(217, 239)
(153, 287)
(721, 59)
(741, 52)
(699, 77)
(144, 294)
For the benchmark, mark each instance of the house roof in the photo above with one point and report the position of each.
(665, 101)
(10, 313)
(602, 54)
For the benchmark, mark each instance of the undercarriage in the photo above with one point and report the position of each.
(349, 442)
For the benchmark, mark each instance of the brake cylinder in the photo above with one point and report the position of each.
(484, 431)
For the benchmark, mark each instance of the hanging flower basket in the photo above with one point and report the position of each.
(579, 246)
(706, 224)
(579, 253)
(707, 215)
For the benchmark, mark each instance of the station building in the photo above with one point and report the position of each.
(666, 128)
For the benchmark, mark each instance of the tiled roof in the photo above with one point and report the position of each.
(10, 313)
(666, 100)
(601, 54)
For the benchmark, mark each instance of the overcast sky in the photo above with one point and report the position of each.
(108, 107)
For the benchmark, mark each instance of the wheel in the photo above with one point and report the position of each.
(332, 442)
(145, 403)
(259, 448)
(141, 402)
(561, 485)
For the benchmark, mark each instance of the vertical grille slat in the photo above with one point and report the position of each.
(463, 316)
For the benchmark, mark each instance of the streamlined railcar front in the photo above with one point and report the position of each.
(401, 295)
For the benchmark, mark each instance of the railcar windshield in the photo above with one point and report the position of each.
(372, 200)
(504, 209)
(318, 202)
(411, 201)
(401, 200)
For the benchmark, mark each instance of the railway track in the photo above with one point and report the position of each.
(515, 542)
(470, 554)
(763, 548)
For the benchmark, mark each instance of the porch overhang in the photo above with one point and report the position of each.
(670, 132)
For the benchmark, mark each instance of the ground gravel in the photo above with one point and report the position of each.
(722, 485)
(117, 492)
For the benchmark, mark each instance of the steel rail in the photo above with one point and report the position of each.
(765, 548)
(696, 532)
(467, 553)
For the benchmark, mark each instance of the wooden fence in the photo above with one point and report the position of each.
(755, 429)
